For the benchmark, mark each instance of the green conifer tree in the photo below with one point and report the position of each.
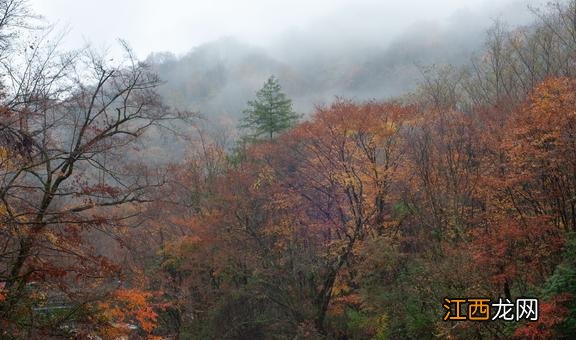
(269, 113)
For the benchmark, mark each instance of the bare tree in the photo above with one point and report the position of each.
(76, 118)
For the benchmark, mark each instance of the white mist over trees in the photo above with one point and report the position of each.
(217, 78)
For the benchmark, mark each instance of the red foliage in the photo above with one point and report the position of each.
(552, 313)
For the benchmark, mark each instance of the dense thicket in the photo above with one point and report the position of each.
(359, 221)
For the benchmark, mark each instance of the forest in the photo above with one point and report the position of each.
(124, 215)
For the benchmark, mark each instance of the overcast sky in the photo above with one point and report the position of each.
(179, 25)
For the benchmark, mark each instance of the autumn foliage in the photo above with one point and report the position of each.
(353, 223)
(359, 220)
(125, 307)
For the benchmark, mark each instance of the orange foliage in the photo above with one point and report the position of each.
(129, 305)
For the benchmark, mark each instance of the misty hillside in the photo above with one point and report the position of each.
(217, 78)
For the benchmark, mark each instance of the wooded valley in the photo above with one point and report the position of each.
(354, 221)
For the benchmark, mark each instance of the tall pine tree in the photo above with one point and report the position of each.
(269, 113)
